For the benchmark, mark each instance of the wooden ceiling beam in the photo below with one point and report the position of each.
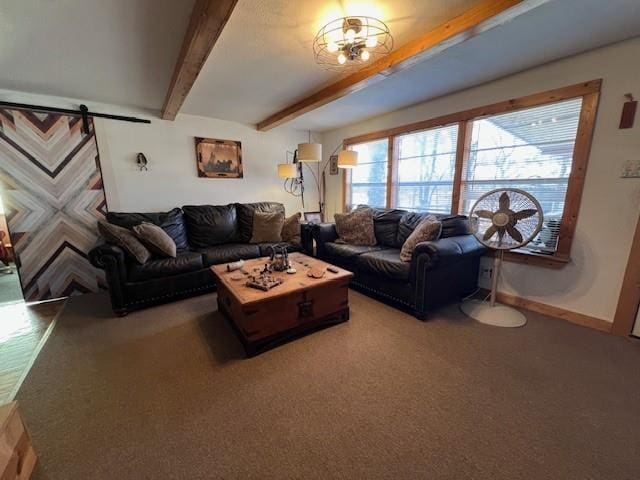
(485, 15)
(208, 19)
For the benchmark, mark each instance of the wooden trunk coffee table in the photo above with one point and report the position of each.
(300, 305)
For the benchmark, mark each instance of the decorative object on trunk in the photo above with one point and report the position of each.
(502, 219)
(219, 158)
(278, 258)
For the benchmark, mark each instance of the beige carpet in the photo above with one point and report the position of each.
(166, 394)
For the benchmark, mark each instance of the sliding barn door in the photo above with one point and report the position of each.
(52, 191)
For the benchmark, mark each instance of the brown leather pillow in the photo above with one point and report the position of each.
(291, 229)
(126, 240)
(356, 228)
(155, 239)
(267, 227)
(427, 230)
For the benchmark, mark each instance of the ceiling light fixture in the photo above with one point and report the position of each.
(347, 43)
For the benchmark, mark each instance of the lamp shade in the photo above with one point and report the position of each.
(309, 152)
(287, 170)
(347, 159)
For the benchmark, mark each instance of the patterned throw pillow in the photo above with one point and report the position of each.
(427, 230)
(126, 240)
(267, 227)
(291, 229)
(155, 239)
(356, 228)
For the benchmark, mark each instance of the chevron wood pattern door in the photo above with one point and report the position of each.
(51, 186)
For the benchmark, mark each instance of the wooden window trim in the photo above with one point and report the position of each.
(590, 94)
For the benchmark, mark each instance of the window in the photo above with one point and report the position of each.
(530, 149)
(538, 143)
(367, 183)
(425, 166)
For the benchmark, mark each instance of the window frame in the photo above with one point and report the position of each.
(590, 94)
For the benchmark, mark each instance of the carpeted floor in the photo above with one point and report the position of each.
(166, 394)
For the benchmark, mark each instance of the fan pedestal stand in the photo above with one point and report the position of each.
(489, 312)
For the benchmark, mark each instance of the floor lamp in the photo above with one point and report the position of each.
(293, 173)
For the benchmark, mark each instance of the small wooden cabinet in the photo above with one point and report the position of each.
(17, 457)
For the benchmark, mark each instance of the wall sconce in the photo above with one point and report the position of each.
(141, 160)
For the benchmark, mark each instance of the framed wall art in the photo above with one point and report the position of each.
(219, 158)
(333, 165)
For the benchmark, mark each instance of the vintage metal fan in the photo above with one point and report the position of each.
(502, 219)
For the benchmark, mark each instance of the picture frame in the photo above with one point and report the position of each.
(218, 158)
(333, 165)
(313, 217)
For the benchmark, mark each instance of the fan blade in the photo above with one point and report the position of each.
(490, 232)
(522, 214)
(504, 201)
(484, 214)
(515, 234)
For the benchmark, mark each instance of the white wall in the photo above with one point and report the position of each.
(172, 179)
(591, 283)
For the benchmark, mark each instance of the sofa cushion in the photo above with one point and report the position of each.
(291, 247)
(155, 239)
(427, 231)
(385, 225)
(209, 225)
(172, 222)
(245, 216)
(291, 230)
(231, 252)
(356, 227)
(184, 262)
(345, 253)
(126, 240)
(267, 227)
(452, 225)
(384, 263)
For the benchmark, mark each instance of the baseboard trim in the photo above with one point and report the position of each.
(552, 311)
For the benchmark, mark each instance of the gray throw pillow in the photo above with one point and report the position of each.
(291, 229)
(427, 230)
(356, 228)
(125, 240)
(267, 227)
(155, 239)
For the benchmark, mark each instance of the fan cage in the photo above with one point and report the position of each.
(490, 201)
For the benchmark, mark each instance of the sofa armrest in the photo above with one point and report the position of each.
(324, 233)
(112, 260)
(446, 251)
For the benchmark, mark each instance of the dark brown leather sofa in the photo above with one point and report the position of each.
(204, 234)
(440, 272)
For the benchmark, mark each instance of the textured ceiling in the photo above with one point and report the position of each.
(124, 52)
(113, 51)
(264, 57)
(556, 30)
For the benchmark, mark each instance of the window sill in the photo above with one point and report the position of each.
(555, 261)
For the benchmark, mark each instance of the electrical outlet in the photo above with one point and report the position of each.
(631, 169)
(486, 273)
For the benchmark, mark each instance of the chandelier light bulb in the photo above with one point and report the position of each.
(371, 42)
(332, 47)
(364, 55)
(350, 35)
(342, 59)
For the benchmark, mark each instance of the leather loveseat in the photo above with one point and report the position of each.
(440, 272)
(204, 235)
